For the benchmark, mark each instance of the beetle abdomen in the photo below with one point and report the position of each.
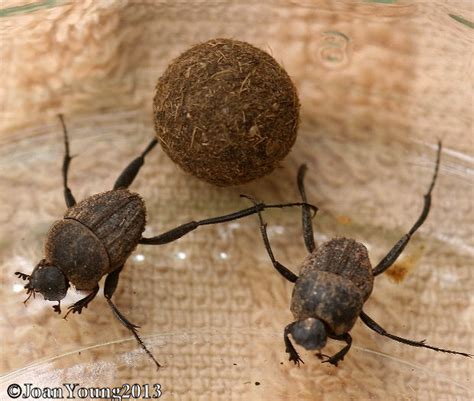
(117, 218)
(80, 255)
(329, 297)
(343, 257)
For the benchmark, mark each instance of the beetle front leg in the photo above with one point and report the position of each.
(289, 348)
(82, 303)
(336, 358)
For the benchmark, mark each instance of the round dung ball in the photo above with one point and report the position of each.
(226, 112)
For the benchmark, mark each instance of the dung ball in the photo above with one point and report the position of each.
(226, 112)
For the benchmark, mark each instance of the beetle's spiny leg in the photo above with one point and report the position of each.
(127, 323)
(289, 348)
(68, 196)
(111, 283)
(127, 176)
(336, 358)
(308, 233)
(178, 232)
(284, 271)
(371, 324)
(321, 356)
(398, 248)
(133, 328)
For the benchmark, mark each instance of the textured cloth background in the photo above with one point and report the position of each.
(379, 82)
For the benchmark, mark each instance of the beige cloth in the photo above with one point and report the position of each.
(379, 85)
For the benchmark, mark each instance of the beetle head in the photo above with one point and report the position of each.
(46, 279)
(310, 333)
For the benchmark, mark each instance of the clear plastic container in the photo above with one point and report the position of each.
(379, 82)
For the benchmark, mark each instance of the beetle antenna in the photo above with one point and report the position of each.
(29, 290)
(23, 276)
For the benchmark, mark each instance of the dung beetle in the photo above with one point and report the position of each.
(96, 237)
(335, 281)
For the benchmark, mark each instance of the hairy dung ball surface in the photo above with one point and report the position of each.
(226, 112)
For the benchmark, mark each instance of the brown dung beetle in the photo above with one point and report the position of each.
(335, 280)
(96, 237)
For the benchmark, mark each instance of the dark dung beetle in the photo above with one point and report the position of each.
(97, 235)
(335, 280)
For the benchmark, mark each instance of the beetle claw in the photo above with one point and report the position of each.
(334, 360)
(322, 356)
(75, 308)
(295, 358)
(57, 308)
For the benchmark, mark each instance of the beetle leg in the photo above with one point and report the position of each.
(336, 358)
(68, 196)
(289, 348)
(284, 271)
(111, 282)
(398, 248)
(127, 176)
(308, 234)
(371, 324)
(183, 229)
(29, 292)
(321, 356)
(82, 303)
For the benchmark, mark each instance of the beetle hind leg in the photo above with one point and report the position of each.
(371, 324)
(308, 234)
(128, 175)
(284, 271)
(111, 283)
